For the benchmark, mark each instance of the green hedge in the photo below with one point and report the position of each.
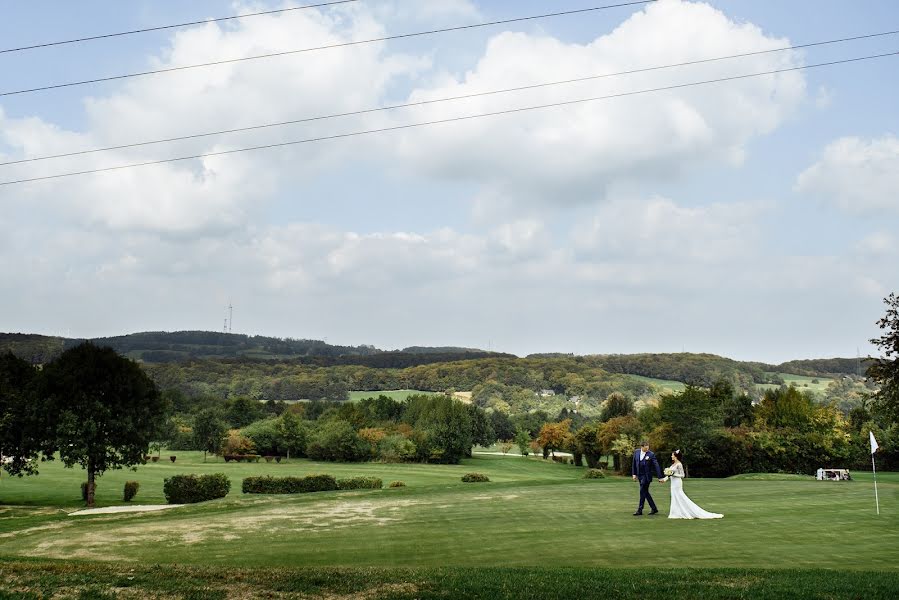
(474, 478)
(289, 485)
(360, 483)
(187, 489)
(595, 474)
(397, 484)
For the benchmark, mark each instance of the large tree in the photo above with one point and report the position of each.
(20, 430)
(104, 410)
(885, 370)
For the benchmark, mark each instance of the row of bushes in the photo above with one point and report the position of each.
(288, 485)
(244, 457)
(311, 483)
(188, 489)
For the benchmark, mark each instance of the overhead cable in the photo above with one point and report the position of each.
(449, 120)
(174, 26)
(439, 100)
(325, 47)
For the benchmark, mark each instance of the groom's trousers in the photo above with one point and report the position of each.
(645, 496)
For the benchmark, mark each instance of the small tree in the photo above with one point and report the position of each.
(522, 440)
(616, 405)
(554, 435)
(623, 447)
(104, 410)
(209, 431)
(293, 434)
(505, 446)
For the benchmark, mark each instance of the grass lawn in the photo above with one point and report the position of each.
(536, 526)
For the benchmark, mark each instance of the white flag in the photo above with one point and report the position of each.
(874, 445)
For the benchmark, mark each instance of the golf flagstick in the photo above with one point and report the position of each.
(874, 447)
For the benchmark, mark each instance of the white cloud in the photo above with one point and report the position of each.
(660, 228)
(215, 194)
(878, 243)
(574, 152)
(857, 176)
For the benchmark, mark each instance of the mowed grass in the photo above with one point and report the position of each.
(533, 514)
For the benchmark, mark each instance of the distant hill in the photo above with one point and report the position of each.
(179, 346)
(826, 366)
(38, 349)
(182, 346)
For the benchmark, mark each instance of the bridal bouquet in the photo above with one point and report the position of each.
(668, 471)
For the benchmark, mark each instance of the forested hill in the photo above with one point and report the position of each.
(180, 346)
(695, 369)
(163, 347)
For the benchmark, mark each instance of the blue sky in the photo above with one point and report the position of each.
(754, 219)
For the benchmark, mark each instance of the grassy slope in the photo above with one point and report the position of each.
(398, 395)
(532, 514)
(665, 385)
(801, 382)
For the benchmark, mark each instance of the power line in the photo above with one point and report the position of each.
(450, 120)
(449, 99)
(326, 47)
(175, 26)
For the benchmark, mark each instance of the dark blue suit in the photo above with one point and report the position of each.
(643, 470)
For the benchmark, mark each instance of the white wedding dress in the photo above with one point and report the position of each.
(681, 506)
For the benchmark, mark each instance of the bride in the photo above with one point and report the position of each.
(681, 506)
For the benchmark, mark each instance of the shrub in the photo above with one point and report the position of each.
(188, 489)
(269, 459)
(155, 459)
(288, 485)
(565, 460)
(396, 448)
(474, 478)
(172, 458)
(131, 488)
(277, 459)
(595, 474)
(360, 483)
(396, 484)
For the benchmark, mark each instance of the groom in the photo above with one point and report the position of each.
(641, 471)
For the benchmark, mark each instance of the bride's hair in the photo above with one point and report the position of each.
(679, 455)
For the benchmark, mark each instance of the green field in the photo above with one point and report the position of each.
(800, 381)
(398, 395)
(665, 385)
(533, 514)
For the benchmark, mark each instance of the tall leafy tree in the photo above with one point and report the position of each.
(20, 427)
(103, 408)
(885, 370)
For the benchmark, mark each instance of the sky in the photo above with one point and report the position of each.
(755, 218)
